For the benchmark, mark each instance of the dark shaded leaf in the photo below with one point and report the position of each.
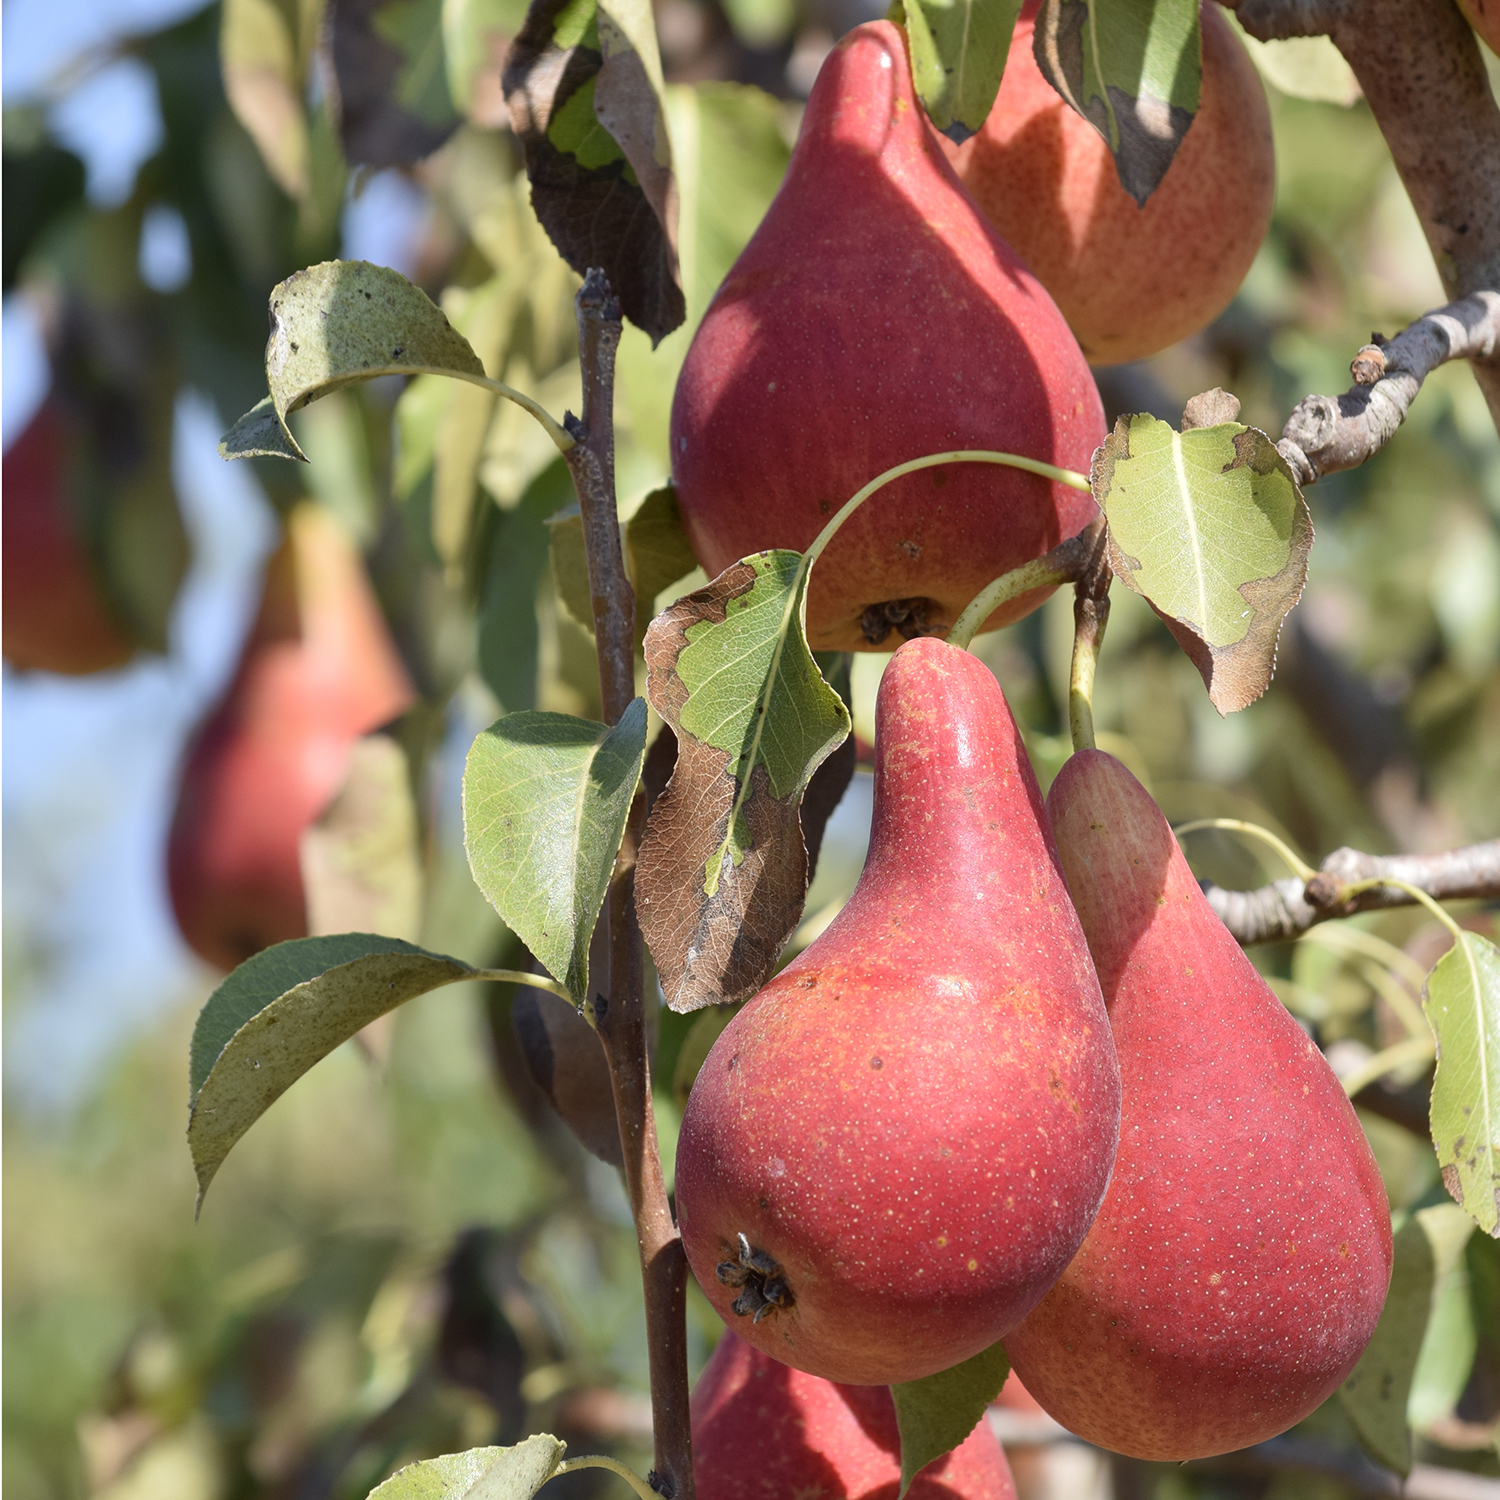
(390, 79)
(1375, 1394)
(615, 213)
(508, 634)
(566, 1060)
(40, 185)
(1132, 69)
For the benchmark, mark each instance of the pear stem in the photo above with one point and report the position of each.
(1359, 887)
(1040, 573)
(619, 1013)
(1402, 1054)
(563, 440)
(523, 976)
(599, 1461)
(1090, 616)
(1295, 863)
(1069, 477)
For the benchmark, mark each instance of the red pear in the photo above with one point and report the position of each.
(1241, 1259)
(764, 1431)
(875, 317)
(318, 671)
(894, 1149)
(1130, 279)
(55, 620)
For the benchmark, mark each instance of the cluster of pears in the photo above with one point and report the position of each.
(1027, 1087)
(905, 297)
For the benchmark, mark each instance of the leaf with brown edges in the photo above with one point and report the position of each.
(722, 873)
(585, 92)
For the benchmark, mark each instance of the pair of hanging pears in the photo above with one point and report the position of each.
(937, 1128)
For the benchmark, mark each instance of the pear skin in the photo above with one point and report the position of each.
(55, 618)
(1130, 278)
(318, 671)
(874, 317)
(1241, 1259)
(912, 1125)
(764, 1431)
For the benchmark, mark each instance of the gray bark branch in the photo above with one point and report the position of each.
(619, 1013)
(1327, 433)
(1285, 909)
(1422, 74)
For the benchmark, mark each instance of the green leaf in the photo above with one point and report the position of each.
(1376, 1393)
(258, 56)
(475, 36)
(414, 29)
(1449, 1346)
(575, 129)
(1303, 67)
(485, 317)
(937, 1413)
(546, 797)
(361, 861)
(958, 52)
(284, 1010)
(480, 1474)
(657, 553)
(1462, 1000)
(761, 24)
(1209, 526)
(1132, 69)
(345, 321)
(696, 1045)
(723, 870)
(508, 634)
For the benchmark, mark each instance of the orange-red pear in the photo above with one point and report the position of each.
(874, 317)
(1241, 1259)
(1130, 279)
(318, 671)
(894, 1149)
(764, 1431)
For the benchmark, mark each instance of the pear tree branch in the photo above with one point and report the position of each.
(1285, 909)
(1327, 433)
(1425, 81)
(619, 1015)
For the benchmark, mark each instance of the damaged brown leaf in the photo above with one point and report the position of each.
(585, 91)
(723, 869)
(1210, 528)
